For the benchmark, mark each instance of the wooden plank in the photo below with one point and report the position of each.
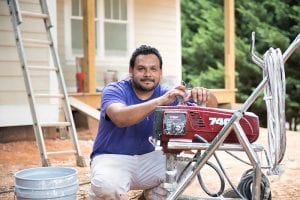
(93, 100)
(224, 96)
(89, 69)
(229, 45)
(85, 108)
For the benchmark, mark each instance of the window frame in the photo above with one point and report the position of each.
(100, 52)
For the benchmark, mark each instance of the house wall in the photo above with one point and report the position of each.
(156, 23)
(14, 107)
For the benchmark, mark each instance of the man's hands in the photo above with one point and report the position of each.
(172, 94)
(199, 95)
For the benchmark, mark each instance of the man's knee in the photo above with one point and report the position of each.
(105, 190)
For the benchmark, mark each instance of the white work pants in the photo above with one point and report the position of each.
(112, 176)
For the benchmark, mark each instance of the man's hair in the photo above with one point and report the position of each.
(145, 50)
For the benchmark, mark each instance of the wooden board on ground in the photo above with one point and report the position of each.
(85, 108)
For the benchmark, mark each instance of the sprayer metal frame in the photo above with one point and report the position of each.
(233, 124)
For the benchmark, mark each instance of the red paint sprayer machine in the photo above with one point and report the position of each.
(190, 128)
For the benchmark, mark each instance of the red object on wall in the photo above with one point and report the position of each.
(79, 74)
(80, 81)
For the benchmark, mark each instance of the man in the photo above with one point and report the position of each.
(122, 157)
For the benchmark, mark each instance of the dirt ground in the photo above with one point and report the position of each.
(15, 156)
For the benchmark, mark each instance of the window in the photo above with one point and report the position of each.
(111, 28)
(115, 26)
(76, 27)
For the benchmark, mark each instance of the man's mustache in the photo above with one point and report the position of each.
(147, 79)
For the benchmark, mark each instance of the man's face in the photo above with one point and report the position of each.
(146, 72)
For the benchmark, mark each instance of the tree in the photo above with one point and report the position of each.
(202, 38)
(276, 24)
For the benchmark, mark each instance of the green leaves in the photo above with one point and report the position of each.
(202, 35)
(276, 23)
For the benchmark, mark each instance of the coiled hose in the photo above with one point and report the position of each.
(274, 96)
(245, 186)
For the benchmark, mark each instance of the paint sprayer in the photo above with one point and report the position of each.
(204, 131)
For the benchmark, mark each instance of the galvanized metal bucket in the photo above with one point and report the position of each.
(46, 183)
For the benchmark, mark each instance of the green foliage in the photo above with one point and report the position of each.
(208, 77)
(202, 35)
(276, 24)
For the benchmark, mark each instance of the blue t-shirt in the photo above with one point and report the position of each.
(131, 140)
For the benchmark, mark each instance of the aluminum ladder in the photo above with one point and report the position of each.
(65, 118)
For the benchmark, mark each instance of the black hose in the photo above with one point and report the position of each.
(201, 139)
(222, 181)
(7, 191)
(245, 186)
(202, 184)
(219, 173)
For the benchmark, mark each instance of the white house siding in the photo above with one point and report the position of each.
(68, 69)
(157, 23)
(14, 107)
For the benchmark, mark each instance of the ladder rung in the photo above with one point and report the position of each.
(34, 15)
(61, 152)
(49, 95)
(42, 68)
(55, 124)
(36, 41)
